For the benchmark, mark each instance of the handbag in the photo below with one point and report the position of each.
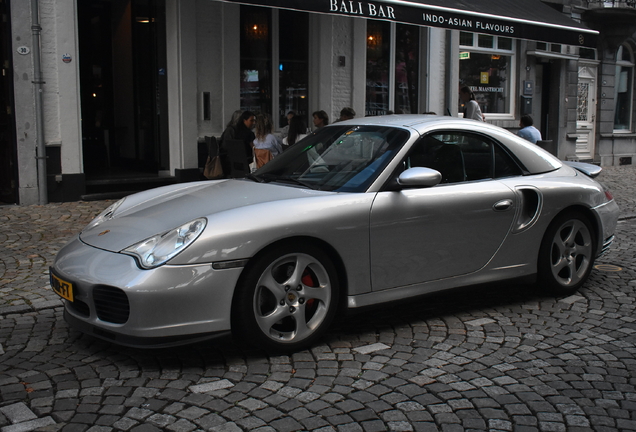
(213, 168)
(261, 157)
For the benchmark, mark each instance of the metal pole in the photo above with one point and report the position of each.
(39, 118)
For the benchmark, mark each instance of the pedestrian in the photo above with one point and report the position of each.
(320, 119)
(246, 123)
(297, 131)
(230, 128)
(346, 113)
(228, 134)
(285, 130)
(528, 131)
(266, 145)
(471, 107)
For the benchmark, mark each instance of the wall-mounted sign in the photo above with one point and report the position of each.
(23, 50)
(66, 58)
(464, 55)
(484, 78)
(483, 89)
(526, 20)
(528, 88)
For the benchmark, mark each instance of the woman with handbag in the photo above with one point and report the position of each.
(266, 144)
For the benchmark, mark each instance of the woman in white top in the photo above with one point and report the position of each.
(266, 144)
(297, 131)
(471, 107)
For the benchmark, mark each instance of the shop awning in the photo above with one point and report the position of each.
(525, 19)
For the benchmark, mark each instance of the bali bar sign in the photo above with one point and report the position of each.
(373, 10)
(420, 13)
(529, 19)
(370, 10)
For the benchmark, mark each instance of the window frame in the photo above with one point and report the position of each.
(392, 93)
(495, 148)
(274, 64)
(620, 63)
(511, 53)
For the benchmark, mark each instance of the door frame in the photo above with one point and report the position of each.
(9, 177)
(586, 110)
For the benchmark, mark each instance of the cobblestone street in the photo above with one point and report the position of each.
(498, 357)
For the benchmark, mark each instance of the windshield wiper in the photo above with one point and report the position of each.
(256, 178)
(294, 180)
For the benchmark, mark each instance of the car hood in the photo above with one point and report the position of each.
(156, 211)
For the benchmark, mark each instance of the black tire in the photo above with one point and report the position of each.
(567, 254)
(286, 298)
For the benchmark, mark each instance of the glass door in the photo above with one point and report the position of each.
(123, 87)
(8, 170)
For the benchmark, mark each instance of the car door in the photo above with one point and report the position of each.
(451, 229)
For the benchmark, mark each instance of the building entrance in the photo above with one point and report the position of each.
(548, 76)
(123, 88)
(585, 112)
(8, 171)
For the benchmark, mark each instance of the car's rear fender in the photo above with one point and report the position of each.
(591, 216)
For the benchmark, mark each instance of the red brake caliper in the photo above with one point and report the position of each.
(310, 305)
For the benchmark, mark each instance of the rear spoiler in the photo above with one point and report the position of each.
(588, 169)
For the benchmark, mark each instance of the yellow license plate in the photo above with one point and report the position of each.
(62, 288)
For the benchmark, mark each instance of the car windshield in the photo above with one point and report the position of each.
(336, 158)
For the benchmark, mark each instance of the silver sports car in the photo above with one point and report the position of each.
(359, 213)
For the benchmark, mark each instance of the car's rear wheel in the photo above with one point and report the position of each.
(567, 254)
(287, 298)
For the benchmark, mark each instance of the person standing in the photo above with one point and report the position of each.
(230, 128)
(266, 145)
(320, 119)
(347, 113)
(285, 130)
(297, 131)
(228, 134)
(471, 107)
(528, 131)
(246, 123)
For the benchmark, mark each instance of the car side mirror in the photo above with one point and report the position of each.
(418, 177)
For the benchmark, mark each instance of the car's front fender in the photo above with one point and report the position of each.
(340, 220)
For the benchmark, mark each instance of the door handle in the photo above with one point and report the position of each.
(502, 205)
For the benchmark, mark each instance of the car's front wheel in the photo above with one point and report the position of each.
(567, 254)
(286, 298)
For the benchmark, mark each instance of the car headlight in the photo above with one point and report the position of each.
(159, 249)
(105, 215)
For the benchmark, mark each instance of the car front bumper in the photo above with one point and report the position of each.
(114, 299)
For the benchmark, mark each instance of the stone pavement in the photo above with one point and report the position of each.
(498, 358)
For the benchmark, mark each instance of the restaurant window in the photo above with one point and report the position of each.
(256, 59)
(392, 68)
(623, 89)
(486, 65)
(258, 37)
(293, 66)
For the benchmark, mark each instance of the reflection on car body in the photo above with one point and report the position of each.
(359, 213)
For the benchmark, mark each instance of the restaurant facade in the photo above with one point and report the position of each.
(127, 90)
